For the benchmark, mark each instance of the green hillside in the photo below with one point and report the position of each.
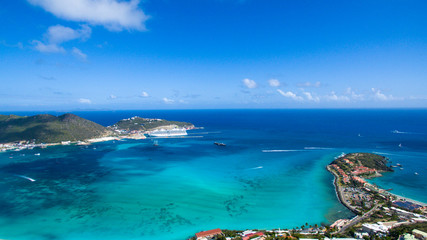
(369, 160)
(45, 128)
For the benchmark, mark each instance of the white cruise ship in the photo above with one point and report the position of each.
(168, 132)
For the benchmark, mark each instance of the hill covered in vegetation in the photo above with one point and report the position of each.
(46, 128)
(368, 160)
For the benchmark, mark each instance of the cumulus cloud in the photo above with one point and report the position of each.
(249, 83)
(58, 34)
(290, 94)
(274, 82)
(378, 95)
(115, 15)
(310, 84)
(47, 47)
(79, 54)
(334, 97)
(310, 97)
(167, 100)
(144, 94)
(353, 95)
(85, 101)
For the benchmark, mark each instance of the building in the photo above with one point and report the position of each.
(252, 236)
(419, 234)
(374, 228)
(407, 205)
(339, 223)
(407, 236)
(208, 234)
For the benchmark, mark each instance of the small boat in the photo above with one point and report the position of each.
(37, 154)
(400, 145)
(398, 164)
(416, 173)
(156, 143)
(401, 168)
(220, 144)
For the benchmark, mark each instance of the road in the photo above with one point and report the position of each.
(358, 219)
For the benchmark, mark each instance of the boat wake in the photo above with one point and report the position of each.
(317, 148)
(25, 177)
(285, 150)
(257, 167)
(400, 132)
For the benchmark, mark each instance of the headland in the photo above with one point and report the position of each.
(43, 130)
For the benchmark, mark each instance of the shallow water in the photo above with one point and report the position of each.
(134, 190)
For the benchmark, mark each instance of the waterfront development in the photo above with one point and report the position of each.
(378, 212)
(271, 174)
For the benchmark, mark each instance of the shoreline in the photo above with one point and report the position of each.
(338, 192)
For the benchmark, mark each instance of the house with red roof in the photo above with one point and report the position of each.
(208, 234)
(252, 236)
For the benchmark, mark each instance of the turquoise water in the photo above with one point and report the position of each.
(134, 190)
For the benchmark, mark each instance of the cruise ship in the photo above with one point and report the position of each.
(168, 132)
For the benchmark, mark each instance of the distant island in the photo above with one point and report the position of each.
(21, 132)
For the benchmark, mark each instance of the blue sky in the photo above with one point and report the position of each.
(163, 54)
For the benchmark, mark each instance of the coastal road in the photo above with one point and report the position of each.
(358, 219)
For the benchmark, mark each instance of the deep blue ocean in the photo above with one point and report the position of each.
(270, 175)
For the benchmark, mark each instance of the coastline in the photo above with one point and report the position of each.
(391, 196)
(339, 193)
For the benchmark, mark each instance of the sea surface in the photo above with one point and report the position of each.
(270, 175)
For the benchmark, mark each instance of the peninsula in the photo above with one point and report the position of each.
(379, 213)
(22, 132)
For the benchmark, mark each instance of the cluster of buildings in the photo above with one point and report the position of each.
(363, 170)
(20, 145)
(344, 176)
(246, 235)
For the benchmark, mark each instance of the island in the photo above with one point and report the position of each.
(42, 130)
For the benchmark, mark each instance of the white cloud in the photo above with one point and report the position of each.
(114, 15)
(334, 97)
(274, 82)
(58, 34)
(167, 100)
(378, 95)
(144, 94)
(85, 101)
(310, 97)
(249, 83)
(353, 95)
(290, 94)
(78, 53)
(47, 48)
(309, 84)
